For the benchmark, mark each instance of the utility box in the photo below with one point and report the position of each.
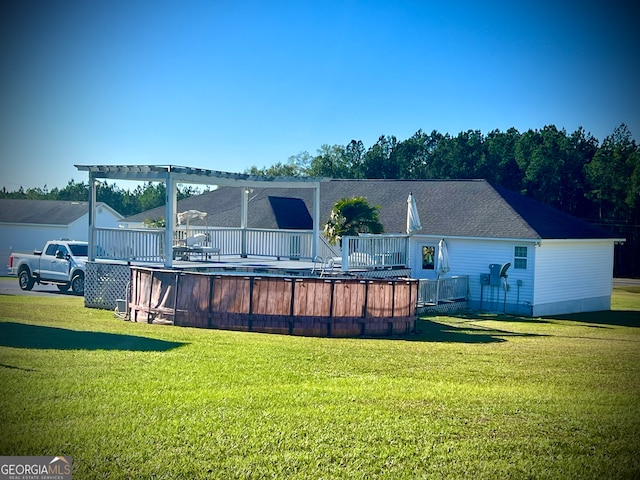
(484, 279)
(494, 274)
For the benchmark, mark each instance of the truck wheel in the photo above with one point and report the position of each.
(24, 279)
(63, 287)
(77, 284)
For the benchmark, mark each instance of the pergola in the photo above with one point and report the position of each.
(171, 175)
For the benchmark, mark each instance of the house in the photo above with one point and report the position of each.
(553, 263)
(26, 225)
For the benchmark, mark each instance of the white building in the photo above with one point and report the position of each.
(26, 225)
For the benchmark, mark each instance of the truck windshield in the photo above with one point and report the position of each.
(79, 250)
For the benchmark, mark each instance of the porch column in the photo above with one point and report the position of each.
(344, 250)
(244, 215)
(171, 205)
(316, 221)
(92, 218)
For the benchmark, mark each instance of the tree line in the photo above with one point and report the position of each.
(573, 172)
(126, 202)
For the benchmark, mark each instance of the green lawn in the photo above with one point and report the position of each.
(468, 397)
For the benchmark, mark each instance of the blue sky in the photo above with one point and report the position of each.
(227, 85)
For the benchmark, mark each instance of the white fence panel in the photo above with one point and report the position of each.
(371, 251)
(443, 290)
(292, 244)
(143, 245)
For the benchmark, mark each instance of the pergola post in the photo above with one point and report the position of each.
(92, 218)
(170, 218)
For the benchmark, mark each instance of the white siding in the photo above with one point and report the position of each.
(79, 229)
(105, 218)
(25, 239)
(573, 274)
(472, 257)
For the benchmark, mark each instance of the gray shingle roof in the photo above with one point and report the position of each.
(448, 208)
(42, 212)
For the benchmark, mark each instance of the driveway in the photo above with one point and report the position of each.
(9, 286)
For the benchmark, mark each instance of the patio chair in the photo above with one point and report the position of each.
(197, 244)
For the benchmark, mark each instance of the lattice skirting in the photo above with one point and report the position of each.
(104, 284)
(447, 307)
(396, 273)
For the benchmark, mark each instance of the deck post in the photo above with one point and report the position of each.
(344, 264)
(92, 218)
(170, 218)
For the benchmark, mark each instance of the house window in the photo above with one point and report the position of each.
(520, 258)
(428, 257)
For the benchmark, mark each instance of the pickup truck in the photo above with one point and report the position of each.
(61, 263)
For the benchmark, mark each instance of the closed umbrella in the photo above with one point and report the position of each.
(413, 219)
(443, 258)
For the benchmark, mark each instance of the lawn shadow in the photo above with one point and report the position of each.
(19, 335)
(428, 330)
(13, 367)
(482, 316)
(621, 318)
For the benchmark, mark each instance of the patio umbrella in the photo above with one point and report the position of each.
(443, 258)
(190, 215)
(413, 219)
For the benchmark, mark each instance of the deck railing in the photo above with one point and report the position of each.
(448, 289)
(142, 245)
(375, 251)
(147, 245)
(326, 250)
(294, 244)
(228, 240)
